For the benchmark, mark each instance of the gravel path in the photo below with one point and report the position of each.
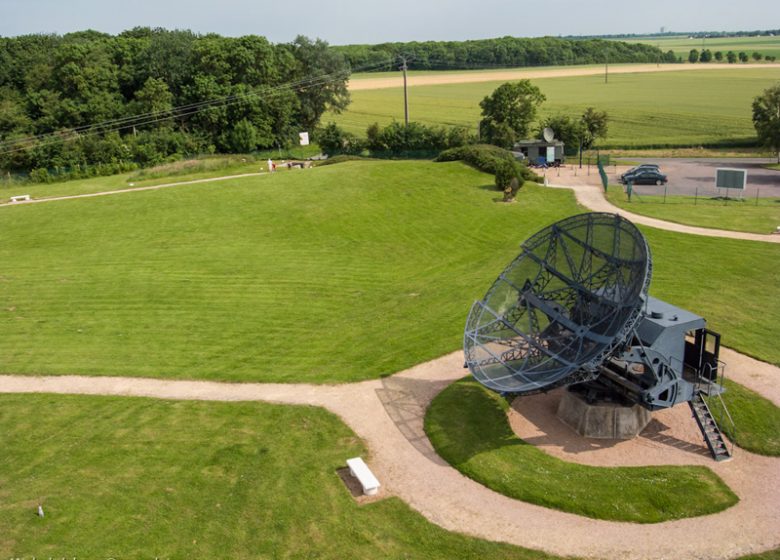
(589, 193)
(388, 414)
(531, 73)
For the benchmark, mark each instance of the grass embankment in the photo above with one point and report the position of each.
(652, 109)
(142, 478)
(467, 425)
(757, 420)
(761, 216)
(304, 275)
(174, 172)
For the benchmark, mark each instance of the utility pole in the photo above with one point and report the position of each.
(606, 66)
(404, 67)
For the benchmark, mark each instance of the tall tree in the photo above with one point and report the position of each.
(508, 112)
(322, 85)
(766, 118)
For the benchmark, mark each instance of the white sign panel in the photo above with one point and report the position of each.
(550, 154)
(304, 136)
(729, 178)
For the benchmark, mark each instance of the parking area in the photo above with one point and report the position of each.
(689, 176)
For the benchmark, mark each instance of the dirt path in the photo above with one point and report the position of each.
(589, 193)
(130, 189)
(388, 414)
(531, 73)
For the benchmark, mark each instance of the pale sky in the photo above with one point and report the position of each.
(368, 21)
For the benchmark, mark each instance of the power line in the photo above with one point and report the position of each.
(180, 111)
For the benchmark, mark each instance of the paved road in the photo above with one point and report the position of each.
(688, 175)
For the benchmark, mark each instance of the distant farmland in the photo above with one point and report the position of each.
(681, 45)
(646, 110)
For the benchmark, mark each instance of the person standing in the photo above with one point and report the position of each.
(270, 166)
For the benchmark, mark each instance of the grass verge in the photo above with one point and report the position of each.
(467, 425)
(144, 478)
(762, 216)
(757, 419)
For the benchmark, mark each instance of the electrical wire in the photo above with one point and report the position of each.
(180, 111)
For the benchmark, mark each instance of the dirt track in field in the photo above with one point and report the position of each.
(530, 73)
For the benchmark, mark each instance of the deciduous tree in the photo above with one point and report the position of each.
(508, 112)
(766, 118)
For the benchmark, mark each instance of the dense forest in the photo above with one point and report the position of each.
(91, 103)
(139, 97)
(502, 52)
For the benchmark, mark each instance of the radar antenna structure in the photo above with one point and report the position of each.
(573, 309)
(561, 307)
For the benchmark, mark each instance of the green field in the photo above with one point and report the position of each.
(762, 216)
(338, 273)
(682, 45)
(142, 478)
(661, 109)
(468, 427)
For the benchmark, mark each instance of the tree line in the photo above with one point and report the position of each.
(731, 57)
(148, 94)
(501, 52)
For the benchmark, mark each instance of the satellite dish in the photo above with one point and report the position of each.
(562, 306)
(549, 134)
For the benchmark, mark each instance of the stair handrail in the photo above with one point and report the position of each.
(731, 429)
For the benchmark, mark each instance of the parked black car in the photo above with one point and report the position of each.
(642, 167)
(645, 177)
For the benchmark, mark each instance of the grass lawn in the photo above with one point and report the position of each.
(757, 419)
(731, 283)
(174, 172)
(467, 425)
(652, 109)
(142, 478)
(338, 273)
(703, 211)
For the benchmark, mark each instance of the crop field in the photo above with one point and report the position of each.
(646, 110)
(682, 45)
(338, 273)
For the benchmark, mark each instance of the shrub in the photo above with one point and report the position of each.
(490, 159)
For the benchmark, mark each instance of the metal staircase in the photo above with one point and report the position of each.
(719, 447)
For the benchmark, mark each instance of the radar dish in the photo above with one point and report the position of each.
(561, 307)
(549, 134)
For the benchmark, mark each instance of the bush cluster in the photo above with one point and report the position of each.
(509, 173)
(393, 140)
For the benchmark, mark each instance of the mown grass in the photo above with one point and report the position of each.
(682, 45)
(467, 425)
(652, 109)
(750, 215)
(339, 273)
(174, 172)
(142, 478)
(731, 283)
(756, 419)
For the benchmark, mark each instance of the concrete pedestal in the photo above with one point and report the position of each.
(602, 420)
